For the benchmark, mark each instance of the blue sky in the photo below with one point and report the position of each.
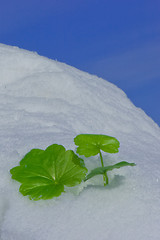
(118, 40)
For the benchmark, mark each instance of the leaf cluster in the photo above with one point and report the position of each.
(43, 174)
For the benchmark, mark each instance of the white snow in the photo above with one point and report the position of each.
(44, 102)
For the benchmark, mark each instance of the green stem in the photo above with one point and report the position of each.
(105, 177)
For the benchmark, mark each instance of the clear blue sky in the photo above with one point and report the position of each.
(118, 40)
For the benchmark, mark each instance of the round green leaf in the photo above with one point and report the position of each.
(91, 144)
(43, 174)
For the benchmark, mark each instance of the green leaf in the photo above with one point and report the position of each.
(44, 173)
(103, 170)
(91, 144)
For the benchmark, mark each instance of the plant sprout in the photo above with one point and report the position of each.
(43, 174)
(91, 145)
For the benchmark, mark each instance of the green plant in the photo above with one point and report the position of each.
(43, 174)
(91, 145)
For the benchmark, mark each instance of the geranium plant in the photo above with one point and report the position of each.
(43, 174)
(93, 144)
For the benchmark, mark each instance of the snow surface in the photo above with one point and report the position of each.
(44, 102)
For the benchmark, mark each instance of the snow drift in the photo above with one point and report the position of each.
(44, 102)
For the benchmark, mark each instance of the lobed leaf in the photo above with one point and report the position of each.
(91, 144)
(44, 173)
(102, 170)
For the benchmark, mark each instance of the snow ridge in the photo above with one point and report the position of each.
(44, 102)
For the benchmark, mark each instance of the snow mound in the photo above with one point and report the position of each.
(45, 102)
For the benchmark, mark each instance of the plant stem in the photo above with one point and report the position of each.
(105, 177)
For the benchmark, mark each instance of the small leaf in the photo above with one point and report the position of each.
(43, 174)
(102, 170)
(91, 144)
